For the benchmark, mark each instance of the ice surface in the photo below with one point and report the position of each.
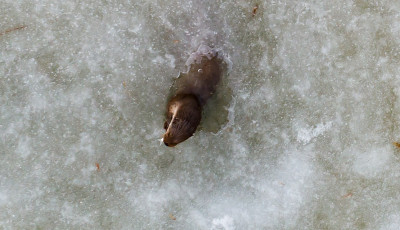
(306, 132)
(196, 56)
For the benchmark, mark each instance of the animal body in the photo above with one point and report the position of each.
(192, 91)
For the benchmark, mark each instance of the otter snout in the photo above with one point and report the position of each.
(168, 140)
(169, 144)
(183, 117)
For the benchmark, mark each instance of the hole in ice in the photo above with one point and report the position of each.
(216, 111)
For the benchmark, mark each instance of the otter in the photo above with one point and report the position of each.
(193, 89)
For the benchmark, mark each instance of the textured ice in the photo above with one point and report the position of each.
(303, 138)
(196, 56)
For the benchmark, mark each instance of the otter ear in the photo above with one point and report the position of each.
(165, 125)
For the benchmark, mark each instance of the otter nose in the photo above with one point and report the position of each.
(170, 144)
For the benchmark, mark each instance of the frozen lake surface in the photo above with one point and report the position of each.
(303, 139)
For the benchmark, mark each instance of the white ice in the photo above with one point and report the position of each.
(311, 131)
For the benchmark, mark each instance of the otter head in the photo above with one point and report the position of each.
(183, 117)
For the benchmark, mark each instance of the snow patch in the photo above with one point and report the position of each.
(373, 162)
(305, 135)
(224, 223)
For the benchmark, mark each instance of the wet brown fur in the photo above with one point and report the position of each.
(193, 90)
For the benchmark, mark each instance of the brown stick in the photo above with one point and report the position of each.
(12, 29)
(255, 10)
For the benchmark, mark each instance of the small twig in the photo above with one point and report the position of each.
(255, 10)
(348, 195)
(11, 30)
(172, 217)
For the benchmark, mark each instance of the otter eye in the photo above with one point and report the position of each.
(165, 125)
